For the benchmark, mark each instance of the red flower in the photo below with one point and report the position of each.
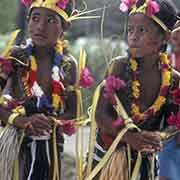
(86, 80)
(176, 96)
(165, 66)
(32, 77)
(134, 75)
(149, 113)
(174, 120)
(178, 121)
(118, 122)
(164, 91)
(68, 127)
(136, 119)
(58, 87)
(152, 8)
(6, 65)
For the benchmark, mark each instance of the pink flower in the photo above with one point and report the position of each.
(62, 4)
(26, 2)
(118, 122)
(136, 119)
(86, 80)
(126, 5)
(112, 84)
(176, 96)
(152, 8)
(164, 91)
(6, 65)
(149, 113)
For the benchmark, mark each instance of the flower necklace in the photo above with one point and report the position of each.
(138, 116)
(31, 85)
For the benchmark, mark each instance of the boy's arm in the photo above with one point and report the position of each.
(70, 96)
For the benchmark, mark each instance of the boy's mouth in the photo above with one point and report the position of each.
(39, 35)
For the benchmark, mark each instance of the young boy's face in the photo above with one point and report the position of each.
(144, 38)
(44, 27)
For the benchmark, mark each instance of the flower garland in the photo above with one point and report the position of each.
(31, 86)
(138, 116)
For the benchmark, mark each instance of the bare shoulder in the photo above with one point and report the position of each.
(68, 58)
(117, 65)
(70, 68)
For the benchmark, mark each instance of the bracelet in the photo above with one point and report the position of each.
(20, 110)
(12, 117)
(1, 100)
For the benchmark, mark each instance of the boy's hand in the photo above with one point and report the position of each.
(36, 125)
(145, 141)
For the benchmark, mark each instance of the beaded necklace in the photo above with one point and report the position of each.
(138, 116)
(31, 86)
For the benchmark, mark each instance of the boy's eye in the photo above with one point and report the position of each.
(35, 18)
(52, 20)
(142, 29)
(130, 29)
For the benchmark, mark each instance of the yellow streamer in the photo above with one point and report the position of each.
(92, 130)
(129, 160)
(79, 137)
(16, 164)
(137, 167)
(82, 59)
(79, 113)
(56, 164)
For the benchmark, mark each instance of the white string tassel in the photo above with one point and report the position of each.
(33, 154)
(48, 153)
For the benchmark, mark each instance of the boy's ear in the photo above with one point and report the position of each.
(27, 18)
(66, 26)
(168, 36)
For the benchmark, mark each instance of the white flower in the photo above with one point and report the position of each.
(55, 73)
(36, 90)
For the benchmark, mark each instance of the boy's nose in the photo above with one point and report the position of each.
(41, 25)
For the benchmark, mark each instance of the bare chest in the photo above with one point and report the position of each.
(44, 79)
(150, 83)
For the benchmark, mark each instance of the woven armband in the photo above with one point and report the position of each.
(12, 117)
(71, 88)
(18, 111)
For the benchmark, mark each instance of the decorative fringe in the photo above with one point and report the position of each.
(113, 169)
(10, 142)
